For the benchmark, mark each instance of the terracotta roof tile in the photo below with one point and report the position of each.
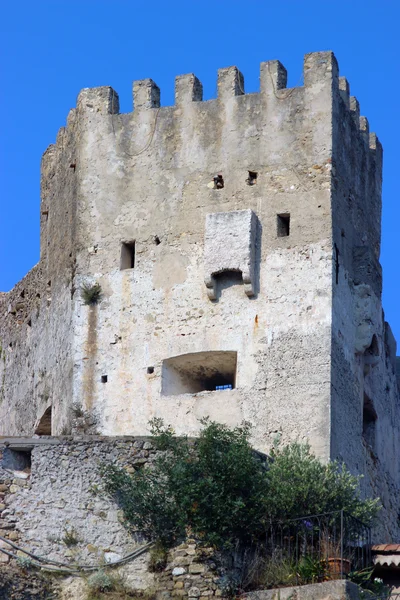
(377, 548)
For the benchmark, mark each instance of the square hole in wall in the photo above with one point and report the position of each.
(198, 372)
(127, 255)
(104, 378)
(150, 370)
(283, 225)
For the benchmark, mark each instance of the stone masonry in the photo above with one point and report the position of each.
(236, 242)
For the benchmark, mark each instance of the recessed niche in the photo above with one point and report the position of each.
(150, 370)
(252, 178)
(127, 255)
(198, 372)
(283, 225)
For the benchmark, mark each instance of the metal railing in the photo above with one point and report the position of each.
(320, 547)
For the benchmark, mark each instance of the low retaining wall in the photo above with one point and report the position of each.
(332, 590)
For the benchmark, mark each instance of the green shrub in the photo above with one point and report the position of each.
(299, 485)
(100, 582)
(218, 490)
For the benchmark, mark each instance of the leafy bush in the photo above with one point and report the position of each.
(299, 484)
(219, 490)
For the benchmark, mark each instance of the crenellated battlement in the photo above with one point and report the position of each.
(320, 76)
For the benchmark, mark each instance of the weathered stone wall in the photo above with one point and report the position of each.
(36, 315)
(336, 590)
(62, 512)
(363, 347)
(62, 497)
(160, 308)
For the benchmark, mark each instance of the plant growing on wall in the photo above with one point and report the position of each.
(91, 293)
(220, 491)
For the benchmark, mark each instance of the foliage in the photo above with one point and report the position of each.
(369, 584)
(310, 569)
(100, 582)
(158, 558)
(214, 488)
(299, 484)
(91, 293)
(70, 537)
(25, 562)
(219, 490)
(111, 586)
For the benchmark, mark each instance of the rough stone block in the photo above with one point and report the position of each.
(230, 245)
(196, 568)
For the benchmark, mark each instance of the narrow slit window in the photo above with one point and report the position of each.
(283, 225)
(369, 423)
(127, 255)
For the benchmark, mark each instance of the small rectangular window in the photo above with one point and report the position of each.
(127, 255)
(283, 225)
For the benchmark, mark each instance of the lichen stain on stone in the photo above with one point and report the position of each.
(90, 351)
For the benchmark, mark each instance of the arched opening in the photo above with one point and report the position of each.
(44, 426)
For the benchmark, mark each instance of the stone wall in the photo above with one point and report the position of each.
(365, 405)
(190, 573)
(62, 513)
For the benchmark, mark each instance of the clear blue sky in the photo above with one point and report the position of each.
(50, 49)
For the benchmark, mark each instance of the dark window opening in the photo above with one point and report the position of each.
(22, 294)
(16, 460)
(218, 181)
(29, 323)
(157, 240)
(150, 370)
(127, 255)
(44, 426)
(283, 223)
(369, 422)
(199, 372)
(49, 283)
(104, 378)
(252, 178)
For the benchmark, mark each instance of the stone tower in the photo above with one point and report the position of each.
(236, 243)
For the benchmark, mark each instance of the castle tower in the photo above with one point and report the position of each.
(236, 244)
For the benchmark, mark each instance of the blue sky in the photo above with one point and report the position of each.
(51, 49)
